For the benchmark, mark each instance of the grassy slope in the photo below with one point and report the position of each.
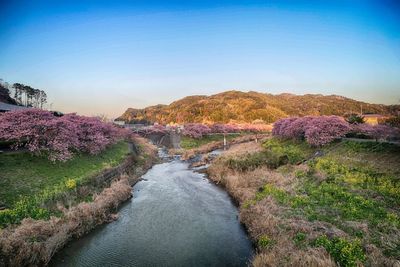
(346, 201)
(25, 175)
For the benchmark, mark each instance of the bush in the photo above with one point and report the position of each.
(345, 253)
(355, 119)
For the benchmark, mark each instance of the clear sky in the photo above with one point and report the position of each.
(97, 57)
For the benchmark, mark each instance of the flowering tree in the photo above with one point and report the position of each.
(57, 137)
(281, 125)
(317, 131)
(196, 130)
(325, 129)
(153, 129)
(224, 128)
(377, 132)
(296, 129)
(322, 130)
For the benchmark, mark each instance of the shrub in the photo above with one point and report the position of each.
(345, 253)
(355, 119)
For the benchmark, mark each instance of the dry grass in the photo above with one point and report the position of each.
(266, 218)
(34, 242)
(188, 154)
(145, 147)
(275, 224)
(146, 158)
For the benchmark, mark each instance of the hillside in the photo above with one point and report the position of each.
(236, 106)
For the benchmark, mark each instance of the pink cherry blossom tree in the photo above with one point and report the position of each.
(58, 138)
(196, 130)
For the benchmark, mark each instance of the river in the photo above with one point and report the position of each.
(176, 217)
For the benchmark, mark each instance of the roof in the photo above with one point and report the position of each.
(8, 107)
(373, 116)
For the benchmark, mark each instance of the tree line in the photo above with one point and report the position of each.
(23, 95)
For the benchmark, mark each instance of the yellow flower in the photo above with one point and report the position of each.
(70, 183)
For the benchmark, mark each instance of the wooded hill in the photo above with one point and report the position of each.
(237, 106)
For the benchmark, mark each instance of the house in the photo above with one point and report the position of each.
(8, 107)
(374, 118)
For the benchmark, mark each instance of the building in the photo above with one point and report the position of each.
(374, 118)
(9, 107)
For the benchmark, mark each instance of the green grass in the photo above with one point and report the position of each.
(27, 182)
(23, 174)
(363, 191)
(189, 143)
(345, 252)
(265, 242)
(275, 154)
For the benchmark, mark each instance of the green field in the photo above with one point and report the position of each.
(23, 175)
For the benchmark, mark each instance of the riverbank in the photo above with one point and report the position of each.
(77, 211)
(177, 217)
(315, 207)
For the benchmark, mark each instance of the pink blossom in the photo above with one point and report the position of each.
(377, 132)
(317, 130)
(58, 138)
(196, 130)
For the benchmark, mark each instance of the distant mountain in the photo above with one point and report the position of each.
(237, 106)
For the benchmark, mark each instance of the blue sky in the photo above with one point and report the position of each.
(97, 57)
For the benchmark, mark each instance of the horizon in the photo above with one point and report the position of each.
(98, 57)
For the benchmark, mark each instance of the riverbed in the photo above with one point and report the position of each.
(176, 217)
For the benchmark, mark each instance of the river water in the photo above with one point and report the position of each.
(176, 217)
